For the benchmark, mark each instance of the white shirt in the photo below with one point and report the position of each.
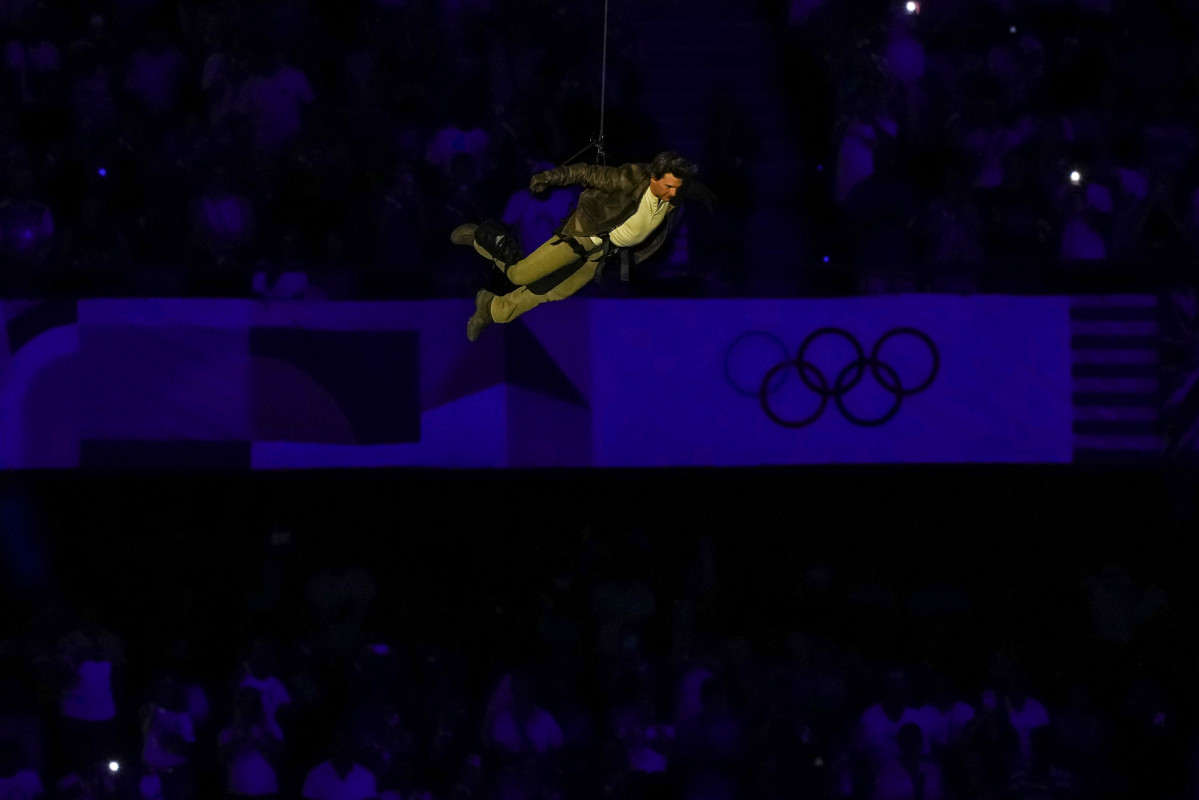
(323, 783)
(637, 228)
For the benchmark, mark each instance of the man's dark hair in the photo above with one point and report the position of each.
(675, 164)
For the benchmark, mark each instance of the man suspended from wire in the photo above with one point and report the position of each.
(629, 208)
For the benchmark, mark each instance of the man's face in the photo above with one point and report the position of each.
(666, 187)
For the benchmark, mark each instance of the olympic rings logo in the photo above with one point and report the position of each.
(815, 380)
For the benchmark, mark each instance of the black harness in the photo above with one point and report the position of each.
(608, 250)
(585, 253)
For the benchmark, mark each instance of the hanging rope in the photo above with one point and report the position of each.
(598, 141)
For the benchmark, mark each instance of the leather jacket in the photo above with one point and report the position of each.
(610, 196)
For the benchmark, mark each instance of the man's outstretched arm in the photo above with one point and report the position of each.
(592, 176)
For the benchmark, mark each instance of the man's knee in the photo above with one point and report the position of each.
(514, 277)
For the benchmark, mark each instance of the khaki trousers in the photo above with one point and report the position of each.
(551, 272)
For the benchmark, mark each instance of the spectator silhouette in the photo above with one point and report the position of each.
(225, 67)
(1150, 744)
(276, 98)
(339, 596)
(92, 658)
(95, 45)
(646, 745)
(883, 214)
(250, 751)
(259, 671)
(33, 77)
(822, 684)
(449, 728)
(340, 777)
(1024, 711)
(168, 739)
(515, 724)
(717, 738)
(401, 222)
(1018, 224)
(535, 217)
(879, 723)
(23, 728)
(18, 778)
(375, 721)
(521, 740)
(156, 77)
(93, 112)
(626, 594)
(1162, 223)
(953, 227)
(1082, 733)
(945, 716)
(911, 775)
(224, 220)
(1043, 776)
(26, 227)
(100, 782)
(1083, 226)
(284, 273)
(463, 134)
(859, 130)
(991, 744)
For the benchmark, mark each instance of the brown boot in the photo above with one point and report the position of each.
(464, 234)
(482, 316)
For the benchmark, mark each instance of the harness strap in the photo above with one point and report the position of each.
(608, 250)
(585, 254)
(620, 253)
(581, 251)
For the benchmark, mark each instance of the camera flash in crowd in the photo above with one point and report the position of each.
(114, 766)
(912, 7)
(1075, 177)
